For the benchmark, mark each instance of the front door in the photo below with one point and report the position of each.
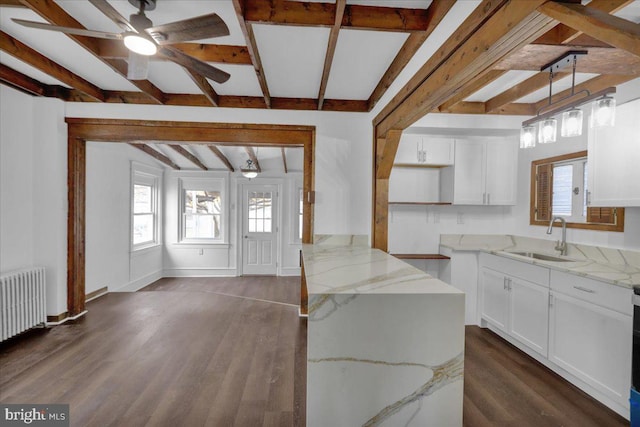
(260, 231)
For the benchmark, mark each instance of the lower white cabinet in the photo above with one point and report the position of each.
(516, 306)
(593, 343)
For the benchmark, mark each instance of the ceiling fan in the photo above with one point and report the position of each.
(143, 39)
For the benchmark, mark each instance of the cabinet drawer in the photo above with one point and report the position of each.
(603, 294)
(511, 267)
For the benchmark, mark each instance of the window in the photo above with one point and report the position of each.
(297, 196)
(202, 214)
(260, 220)
(144, 206)
(559, 188)
(300, 212)
(202, 210)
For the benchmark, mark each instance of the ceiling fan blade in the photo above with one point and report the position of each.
(68, 30)
(137, 66)
(109, 11)
(201, 27)
(179, 57)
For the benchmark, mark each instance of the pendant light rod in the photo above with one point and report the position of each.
(580, 101)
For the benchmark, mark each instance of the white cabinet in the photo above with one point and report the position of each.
(424, 150)
(484, 173)
(613, 159)
(593, 343)
(590, 332)
(514, 305)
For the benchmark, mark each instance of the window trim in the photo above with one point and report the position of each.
(209, 183)
(142, 174)
(618, 226)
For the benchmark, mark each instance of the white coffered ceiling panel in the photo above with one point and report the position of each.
(292, 58)
(360, 61)
(28, 70)
(243, 81)
(499, 85)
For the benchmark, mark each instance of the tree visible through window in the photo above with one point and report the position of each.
(202, 214)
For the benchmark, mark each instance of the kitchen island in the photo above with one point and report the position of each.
(385, 340)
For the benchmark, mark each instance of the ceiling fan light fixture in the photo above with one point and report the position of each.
(140, 44)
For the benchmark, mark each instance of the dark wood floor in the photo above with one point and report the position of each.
(225, 352)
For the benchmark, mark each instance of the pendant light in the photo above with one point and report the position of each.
(250, 171)
(545, 126)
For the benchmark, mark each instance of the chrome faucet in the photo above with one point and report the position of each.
(560, 245)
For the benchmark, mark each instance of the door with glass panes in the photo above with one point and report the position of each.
(260, 232)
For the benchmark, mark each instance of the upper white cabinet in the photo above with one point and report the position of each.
(484, 173)
(424, 150)
(613, 175)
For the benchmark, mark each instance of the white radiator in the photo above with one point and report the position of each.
(22, 301)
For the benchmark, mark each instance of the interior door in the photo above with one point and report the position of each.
(260, 232)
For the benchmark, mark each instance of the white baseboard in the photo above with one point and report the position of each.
(200, 272)
(290, 271)
(140, 283)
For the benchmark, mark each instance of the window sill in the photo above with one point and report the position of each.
(188, 244)
(145, 248)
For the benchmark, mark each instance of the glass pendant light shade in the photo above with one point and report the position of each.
(571, 123)
(604, 112)
(140, 44)
(548, 130)
(528, 136)
(249, 173)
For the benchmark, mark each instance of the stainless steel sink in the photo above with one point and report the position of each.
(543, 257)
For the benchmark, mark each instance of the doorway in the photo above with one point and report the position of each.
(260, 229)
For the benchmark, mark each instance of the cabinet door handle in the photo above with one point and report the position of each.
(484, 198)
(509, 284)
(504, 283)
(488, 198)
(550, 300)
(580, 288)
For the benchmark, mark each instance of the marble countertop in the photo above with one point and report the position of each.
(614, 266)
(352, 269)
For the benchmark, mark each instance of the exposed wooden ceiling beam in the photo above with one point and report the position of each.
(11, 3)
(593, 85)
(322, 14)
(54, 14)
(204, 85)
(610, 29)
(239, 7)
(252, 155)
(471, 89)
(331, 48)
(155, 154)
(26, 54)
(284, 159)
(22, 82)
(204, 52)
(524, 88)
(514, 25)
(514, 109)
(436, 12)
(562, 33)
(220, 155)
(187, 155)
(387, 154)
(479, 15)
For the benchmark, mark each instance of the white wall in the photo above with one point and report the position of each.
(109, 260)
(33, 189)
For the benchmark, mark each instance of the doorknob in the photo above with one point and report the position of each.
(246, 237)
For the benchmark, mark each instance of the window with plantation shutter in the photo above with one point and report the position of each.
(544, 190)
(559, 188)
